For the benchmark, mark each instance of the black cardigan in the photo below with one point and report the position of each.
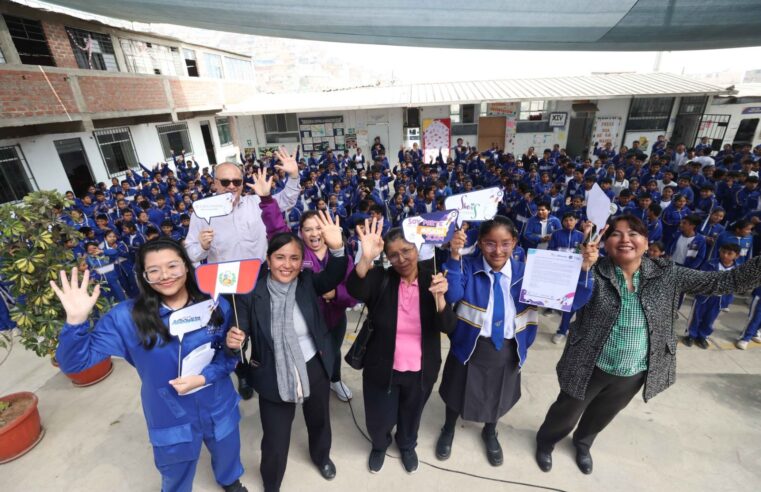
(255, 315)
(379, 359)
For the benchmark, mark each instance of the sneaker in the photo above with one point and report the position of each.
(741, 344)
(375, 463)
(341, 390)
(409, 460)
(235, 487)
(756, 338)
(558, 338)
(688, 341)
(702, 343)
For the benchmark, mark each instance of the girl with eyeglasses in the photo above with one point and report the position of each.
(181, 412)
(408, 311)
(482, 380)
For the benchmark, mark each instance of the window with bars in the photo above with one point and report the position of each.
(30, 41)
(190, 62)
(281, 128)
(15, 176)
(213, 66)
(174, 137)
(151, 58)
(92, 50)
(238, 69)
(223, 130)
(650, 114)
(117, 149)
(533, 111)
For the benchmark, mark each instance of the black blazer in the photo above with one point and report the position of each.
(379, 359)
(255, 321)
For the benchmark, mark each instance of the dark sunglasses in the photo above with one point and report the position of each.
(226, 182)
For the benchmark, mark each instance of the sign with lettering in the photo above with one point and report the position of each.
(558, 120)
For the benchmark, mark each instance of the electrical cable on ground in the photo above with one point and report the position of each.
(449, 470)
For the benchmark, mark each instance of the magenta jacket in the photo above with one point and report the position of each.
(334, 310)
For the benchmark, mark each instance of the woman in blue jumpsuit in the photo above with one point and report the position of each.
(136, 330)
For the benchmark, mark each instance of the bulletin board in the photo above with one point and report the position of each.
(322, 133)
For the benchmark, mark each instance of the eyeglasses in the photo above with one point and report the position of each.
(226, 182)
(405, 253)
(173, 270)
(491, 246)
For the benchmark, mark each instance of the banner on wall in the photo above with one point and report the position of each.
(436, 135)
(607, 129)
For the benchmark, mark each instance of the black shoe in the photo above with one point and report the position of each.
(688, 341)
(444, 444)
(702, 343)
(409, 460)
(544, 460)
(244, 389)
(328, 470)
(375, 463)
(584, 461)
(235, 487)
(493, 449)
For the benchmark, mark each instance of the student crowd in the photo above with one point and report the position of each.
(700, 208)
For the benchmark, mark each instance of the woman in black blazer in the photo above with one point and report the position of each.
(291, 353)
(403, 354)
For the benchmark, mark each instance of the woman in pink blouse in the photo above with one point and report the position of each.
(403, 357)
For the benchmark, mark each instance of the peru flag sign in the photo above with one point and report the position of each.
(230, 277)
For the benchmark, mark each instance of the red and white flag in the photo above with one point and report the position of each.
(230, 277)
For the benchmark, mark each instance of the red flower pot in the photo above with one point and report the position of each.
(93, 374)
(23, 431)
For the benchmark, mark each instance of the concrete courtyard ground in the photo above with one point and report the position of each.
(703, 434)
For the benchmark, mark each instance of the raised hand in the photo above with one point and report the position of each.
(371, 239)
(457, 243)
(331, 231)
(262, 184)
(288, 162)
(590, 248)
(76, 301)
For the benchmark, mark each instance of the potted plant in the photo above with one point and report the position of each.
(20, 428)
(32, 238)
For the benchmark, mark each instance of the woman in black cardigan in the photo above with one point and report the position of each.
(291, 353)
(403, 355)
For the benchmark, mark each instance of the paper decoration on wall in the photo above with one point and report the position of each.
(607, 130)
(318, 133)
(436, 135)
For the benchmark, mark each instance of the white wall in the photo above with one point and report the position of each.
(49, 174)
(735, 117)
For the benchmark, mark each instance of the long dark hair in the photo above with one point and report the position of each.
(145, 312)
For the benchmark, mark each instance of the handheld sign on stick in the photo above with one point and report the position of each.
(231, 277)
(475, 205)
(214, 206)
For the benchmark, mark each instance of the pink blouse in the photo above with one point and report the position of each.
(409, 338)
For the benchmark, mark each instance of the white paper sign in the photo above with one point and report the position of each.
(475, 205)
(214, 206)
(550, 279)
(196, 361)
(191, 318)
(599, 207)
(105, 269)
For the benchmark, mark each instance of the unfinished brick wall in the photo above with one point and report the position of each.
(28, 95)
(119, 93)
(60, 46)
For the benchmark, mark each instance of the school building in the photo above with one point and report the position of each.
(82, 101)
(574, 112)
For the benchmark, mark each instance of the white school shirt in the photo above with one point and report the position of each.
(504, 282)
(680, 250)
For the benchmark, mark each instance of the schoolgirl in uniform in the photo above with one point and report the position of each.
(178, 418)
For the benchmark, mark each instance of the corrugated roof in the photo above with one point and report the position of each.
(607, 86)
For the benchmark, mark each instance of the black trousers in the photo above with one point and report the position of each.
(277, 419)
(337, 334)
(606, 396)
(400, 404)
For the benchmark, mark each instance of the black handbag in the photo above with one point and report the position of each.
(355, 357)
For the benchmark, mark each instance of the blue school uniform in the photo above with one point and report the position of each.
(176, 424)
(470, 287)
(533, 231)
(705, 309)
(696, 251)
(754, 317)
(103, 269)
(745, 243)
